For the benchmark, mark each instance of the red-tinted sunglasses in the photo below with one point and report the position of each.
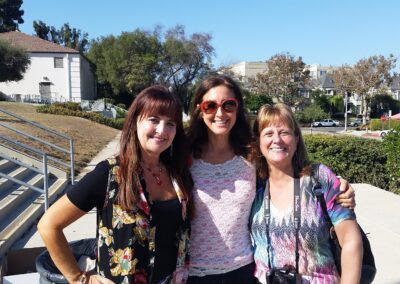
(228, 105)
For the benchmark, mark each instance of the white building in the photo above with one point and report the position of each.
(318, 71)
(56, 73)
(245, 70)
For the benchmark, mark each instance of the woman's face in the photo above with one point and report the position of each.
(155, 133)
(222, 116)
(278, 143)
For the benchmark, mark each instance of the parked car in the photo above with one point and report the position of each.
(384, 132)
(357, 122)
(325, 122)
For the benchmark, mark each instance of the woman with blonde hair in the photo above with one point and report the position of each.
(288, 227)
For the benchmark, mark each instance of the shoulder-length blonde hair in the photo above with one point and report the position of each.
(273, 115)
(155, 100)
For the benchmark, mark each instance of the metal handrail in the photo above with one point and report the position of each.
(44, 171)
(71, 142)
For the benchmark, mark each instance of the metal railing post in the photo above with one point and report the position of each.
(45, 182)
(71, 150)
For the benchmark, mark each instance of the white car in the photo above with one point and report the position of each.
(384, 132)
(325, 122)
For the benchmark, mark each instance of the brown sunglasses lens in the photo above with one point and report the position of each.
(211, 106)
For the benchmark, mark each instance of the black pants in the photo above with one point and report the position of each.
(242, 275)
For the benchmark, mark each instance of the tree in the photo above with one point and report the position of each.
(343, 79)
(310, 114)
(255, 101)
(65, 36)
(10, 15)
(134, 60)
(381, 104)
(184, 59)
(127, 63)
(372, 76)
(321, 100)
(284, 77)
(13, 62)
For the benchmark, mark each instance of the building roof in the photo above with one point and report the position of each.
(327, 82)
(34, 43)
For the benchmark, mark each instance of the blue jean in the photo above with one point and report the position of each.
(242, 275)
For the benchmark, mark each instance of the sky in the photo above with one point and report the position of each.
(326, 32)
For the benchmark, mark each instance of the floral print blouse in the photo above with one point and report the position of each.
(126, 240)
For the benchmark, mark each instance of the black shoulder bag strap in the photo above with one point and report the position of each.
(318, 193)
(296, 213)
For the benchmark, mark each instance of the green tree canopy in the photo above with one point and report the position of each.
(381, 104)
(10, 15)
(310, 114)
(65, 36)
(13, 62)
(128, 63)
(255, 101)
(134, 60)
(321, 100)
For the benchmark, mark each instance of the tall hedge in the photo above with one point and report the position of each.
(391, 145)
(359, 160)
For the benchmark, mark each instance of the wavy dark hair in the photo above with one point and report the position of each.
(240, 135)
(273, 115)
(154, 100)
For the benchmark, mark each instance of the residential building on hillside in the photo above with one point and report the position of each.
(246, 69)
(318, 71)
(56, 73)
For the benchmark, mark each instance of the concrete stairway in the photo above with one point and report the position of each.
(20, 206)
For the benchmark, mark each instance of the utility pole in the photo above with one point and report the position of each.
(345, 111)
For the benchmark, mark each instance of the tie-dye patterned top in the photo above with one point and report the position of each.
(316, 262)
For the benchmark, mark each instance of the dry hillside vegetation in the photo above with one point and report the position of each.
(89, 137)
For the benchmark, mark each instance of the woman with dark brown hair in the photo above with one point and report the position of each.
(224, 185)
(143, 198)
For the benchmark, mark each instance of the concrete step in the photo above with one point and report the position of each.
(33, 208)
(19, 173)
(6, 165)
(19, 195)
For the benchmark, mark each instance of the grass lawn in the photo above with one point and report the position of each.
(89, 137)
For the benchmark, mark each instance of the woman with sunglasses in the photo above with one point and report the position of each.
(224, 185)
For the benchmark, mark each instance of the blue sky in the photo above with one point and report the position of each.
(326, 32)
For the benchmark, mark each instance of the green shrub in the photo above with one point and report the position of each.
(71, 109)
(121, 105)
(391, 145)
(359, 160)
(377, 124)
(310, 114)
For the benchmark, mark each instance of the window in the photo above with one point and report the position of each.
(58, 62)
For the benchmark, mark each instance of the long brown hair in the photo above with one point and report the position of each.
(272, 115)
(240, 135)
(155, 100)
